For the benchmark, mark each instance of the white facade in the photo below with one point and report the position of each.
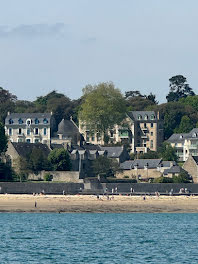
(29, 127)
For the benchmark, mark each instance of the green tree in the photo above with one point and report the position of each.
(185, 126)
(104, 165)
(60, 160)
(3, 139)
(179, 88)
(37, 160)
(103, 106)
(149, 155)
(183, 177)
(7, 103)
(167, 152)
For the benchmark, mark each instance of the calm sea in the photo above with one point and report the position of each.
(98, 238)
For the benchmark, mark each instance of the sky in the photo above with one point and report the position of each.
(64, 45)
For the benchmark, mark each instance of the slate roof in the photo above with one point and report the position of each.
(173, 169)
(134, 115)
(140, 163)
(24, 149)
(113, 152)
(195, 159)
(167, 164)
(178, 138)
(24, 116)
(67, 128)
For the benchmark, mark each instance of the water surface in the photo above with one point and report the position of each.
(98, 238)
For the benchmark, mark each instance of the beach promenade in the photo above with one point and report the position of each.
(92, 204)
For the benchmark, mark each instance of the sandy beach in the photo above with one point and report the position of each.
(90, 203)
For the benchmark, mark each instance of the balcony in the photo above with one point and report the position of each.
(144, 136)
(193, 147)
(123, 133)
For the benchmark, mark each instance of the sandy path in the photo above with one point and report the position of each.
(89, 203)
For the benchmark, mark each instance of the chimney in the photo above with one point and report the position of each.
(158, 115)
(8, 113)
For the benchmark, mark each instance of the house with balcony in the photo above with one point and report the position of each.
(142, 130)
(186, 144)
(30, 127)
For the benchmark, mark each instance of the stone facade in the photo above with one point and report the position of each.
(191, 166)
(143, 130)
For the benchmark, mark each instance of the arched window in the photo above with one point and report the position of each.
(152, 117)
(145, 117)
(139, 117)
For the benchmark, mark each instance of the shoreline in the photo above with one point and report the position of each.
(10, 203)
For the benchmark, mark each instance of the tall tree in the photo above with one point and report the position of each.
(3, 139)
(103, 106)
(7, 103)
(179, 88)
(60, 160)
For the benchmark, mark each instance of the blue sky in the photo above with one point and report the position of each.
(64, 45)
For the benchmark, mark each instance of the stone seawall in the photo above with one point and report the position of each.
(92, 187)
(38, 187)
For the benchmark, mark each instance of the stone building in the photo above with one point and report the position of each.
(186, 144)
(191, 166)
(144, 169)
(30, 127)
(142, 130)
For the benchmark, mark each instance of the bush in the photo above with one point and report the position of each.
(183, 177)
(47, 177)
(163, 180)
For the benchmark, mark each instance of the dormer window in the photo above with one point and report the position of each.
(28, 122)
(20, 121)
(45, 121)
(181, 136)
(11, 121)
(152, 117)
(194, 135)
(145, 117)
(139, 117)
(36, 121)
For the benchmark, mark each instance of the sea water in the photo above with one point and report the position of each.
(98, 238)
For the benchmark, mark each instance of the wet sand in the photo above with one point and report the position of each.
(90, 203)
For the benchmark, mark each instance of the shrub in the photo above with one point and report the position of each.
(47, 177)
(163, 180)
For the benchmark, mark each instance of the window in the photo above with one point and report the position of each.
(28, 131)
(28, 122)
(36, 121)
(145, 117)
(36, 131)
(20, 140)
(44, 131)
(20, 121)
(10, 131)
(151, 124)
(28, 140)
(139, 117)
(20, 131)
(36, 140)
(151, 144)
(92, 138)
(111, 133)
(45, 121)
(152, 117)
(11, 121)
(87, 139)
(145, 125)
(151, 133)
